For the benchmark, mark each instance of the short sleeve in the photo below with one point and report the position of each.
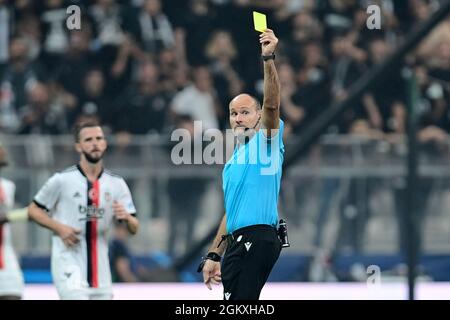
(48, 195)
(279, 131)
(278, 136)
(124, 197)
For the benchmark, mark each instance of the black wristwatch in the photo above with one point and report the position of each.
(268, 57)
(211, 256)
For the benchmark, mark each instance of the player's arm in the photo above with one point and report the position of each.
(210, 266)
(68, 234)
(271, 102)
(123, 215)
(124, 209)
(16, 215)
(132, 224)
(218, 246)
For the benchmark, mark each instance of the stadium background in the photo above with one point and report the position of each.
(146, 67)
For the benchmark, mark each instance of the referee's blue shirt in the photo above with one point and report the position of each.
(251, 181)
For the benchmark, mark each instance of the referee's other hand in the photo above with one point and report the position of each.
(211, 273)
(69, 235)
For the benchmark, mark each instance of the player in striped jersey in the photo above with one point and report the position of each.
(79, 205)
(11, 279)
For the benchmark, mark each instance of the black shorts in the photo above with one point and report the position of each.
(251, 254)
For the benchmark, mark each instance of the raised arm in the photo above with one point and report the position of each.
(271, 103)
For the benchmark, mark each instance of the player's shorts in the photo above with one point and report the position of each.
(84, 294)
(11, 282)
(71, 286)
(70, 282)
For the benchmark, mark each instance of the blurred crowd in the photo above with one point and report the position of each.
(136, 65)
(149, 66)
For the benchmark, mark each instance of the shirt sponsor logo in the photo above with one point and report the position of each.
(90, 213)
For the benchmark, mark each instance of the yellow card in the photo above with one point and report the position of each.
(260, 22)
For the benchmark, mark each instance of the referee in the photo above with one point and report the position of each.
(251, 184)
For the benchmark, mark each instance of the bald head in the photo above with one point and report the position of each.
(244, 100)
(245, 112)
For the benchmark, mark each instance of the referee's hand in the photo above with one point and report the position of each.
(211, 273)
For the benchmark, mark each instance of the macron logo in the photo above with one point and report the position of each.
(248, 245)
(227, 295)
(77, 195)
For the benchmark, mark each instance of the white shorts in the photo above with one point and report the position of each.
(85, 294)
(11, 283)
(71, 285)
